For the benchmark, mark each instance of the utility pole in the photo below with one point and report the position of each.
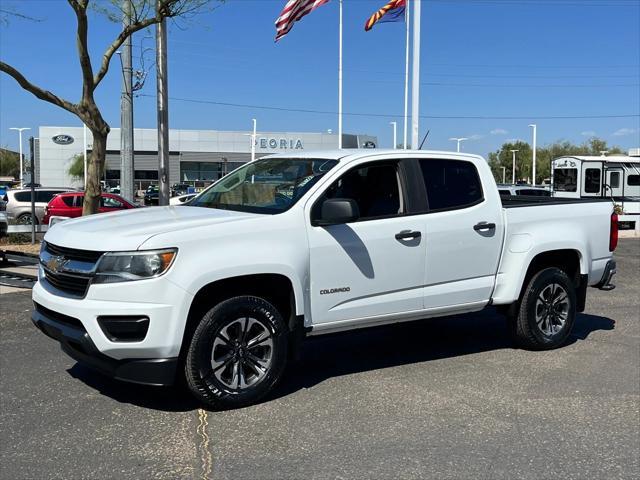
(534, 152)
(415, 80)
(504, 172)
(126, 111)
(33, 189)
(395, 134)
(513, 171)
(163, 111)
(20, 130)
(253, 139)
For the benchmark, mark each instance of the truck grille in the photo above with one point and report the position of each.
(73, 254)
(72, 284)
(75, 284)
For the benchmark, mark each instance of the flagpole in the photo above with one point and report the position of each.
(415, 80)
(406, 78)
(340, 79)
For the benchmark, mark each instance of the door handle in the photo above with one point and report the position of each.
(478, 227)
(408, 235)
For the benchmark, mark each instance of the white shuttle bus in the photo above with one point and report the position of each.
(615, 177)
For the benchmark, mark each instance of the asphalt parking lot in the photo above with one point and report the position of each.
(441, 398)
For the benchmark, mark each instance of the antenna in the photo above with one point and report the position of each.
(424, 139)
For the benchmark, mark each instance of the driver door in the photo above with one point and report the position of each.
(374, 266)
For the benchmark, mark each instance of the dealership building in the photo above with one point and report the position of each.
(196, 157)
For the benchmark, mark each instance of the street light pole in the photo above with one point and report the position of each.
(504, 171)
(163, 112)
(513, 171)
(253, 140)
(459, 140)
(395, 134)
(20, 130)
(534, 151)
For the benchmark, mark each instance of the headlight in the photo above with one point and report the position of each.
(129, 266)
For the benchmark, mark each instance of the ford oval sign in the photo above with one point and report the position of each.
(63, 139)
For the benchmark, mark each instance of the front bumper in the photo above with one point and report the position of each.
(76, 343)
(75, 323)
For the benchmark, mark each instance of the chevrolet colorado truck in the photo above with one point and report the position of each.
(221, 291)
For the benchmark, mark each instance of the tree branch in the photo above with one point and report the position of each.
(117, 43)
(42, 94)
(80, 8)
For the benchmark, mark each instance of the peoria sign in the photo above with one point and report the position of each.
(280, 143)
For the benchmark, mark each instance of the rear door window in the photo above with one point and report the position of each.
(24, 196)
(45, 196)
(68, 200)
(451, 184)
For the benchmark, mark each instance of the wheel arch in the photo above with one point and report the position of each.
(277, 289)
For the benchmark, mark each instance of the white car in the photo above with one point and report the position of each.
(222, 291)
(181, 199)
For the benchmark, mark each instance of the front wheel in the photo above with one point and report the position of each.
(237, 353)
(547, 311)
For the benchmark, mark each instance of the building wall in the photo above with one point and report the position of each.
(58, 145)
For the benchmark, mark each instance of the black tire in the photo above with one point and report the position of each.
(535, 329)
(25, 219)
(214, 387)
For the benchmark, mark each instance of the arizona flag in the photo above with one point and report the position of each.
(391, 12)
(293, 11)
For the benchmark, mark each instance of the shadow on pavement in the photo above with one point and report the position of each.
(353, 352)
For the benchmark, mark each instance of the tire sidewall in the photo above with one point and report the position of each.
(198, 364)
(538, 283)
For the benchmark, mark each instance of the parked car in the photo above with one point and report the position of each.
(529, 190)
(70, 205)
(4, 224)
(222, 291)
(182, 199)
(151, 195)
(179, 189)
(18, 203)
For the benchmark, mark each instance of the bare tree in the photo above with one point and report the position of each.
(144, 13)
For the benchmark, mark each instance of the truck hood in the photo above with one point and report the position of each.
(128, 229)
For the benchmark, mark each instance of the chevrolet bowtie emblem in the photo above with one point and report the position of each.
(56, 263)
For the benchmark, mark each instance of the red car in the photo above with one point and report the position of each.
(70, 205)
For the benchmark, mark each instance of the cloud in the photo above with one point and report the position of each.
(623, 132)
(475, 136)
(498, 131)
(588, 133)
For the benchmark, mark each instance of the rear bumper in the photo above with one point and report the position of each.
(76, 342)
(607, 276)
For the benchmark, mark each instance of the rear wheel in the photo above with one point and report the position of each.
(25, 219)
(237, 353)
(547, 311)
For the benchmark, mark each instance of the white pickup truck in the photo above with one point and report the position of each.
(222, 291)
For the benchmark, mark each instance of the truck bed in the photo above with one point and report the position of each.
(516, 201)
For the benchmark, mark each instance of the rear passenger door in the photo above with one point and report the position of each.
(463, 233)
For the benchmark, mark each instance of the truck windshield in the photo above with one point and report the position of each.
(565, 179)
(268, 186)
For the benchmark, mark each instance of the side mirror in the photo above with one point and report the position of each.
(338, 210)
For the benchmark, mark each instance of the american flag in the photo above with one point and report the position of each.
(293, 11)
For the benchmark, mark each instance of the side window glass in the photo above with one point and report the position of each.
(374, 187)
(68, 200)
(633, 180)
(44, 196)
(451, 184)
(615, 180)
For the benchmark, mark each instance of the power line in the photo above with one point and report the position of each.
(384, 115)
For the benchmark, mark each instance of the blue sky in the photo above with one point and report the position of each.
(480, 58)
